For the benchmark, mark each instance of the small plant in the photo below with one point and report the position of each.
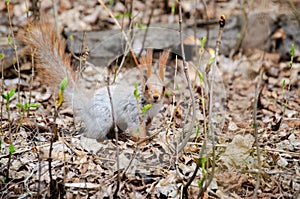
(8, 96)
(283, 84)
(146, 108)
(204, 172)
(197, 131)
(62, 87)
(203, 42)
(27, 106)
(136, 93)
(54, 133)
(137, 96)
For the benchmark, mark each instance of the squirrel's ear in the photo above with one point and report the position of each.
(149, 62)
(146, 64)
(162, 63)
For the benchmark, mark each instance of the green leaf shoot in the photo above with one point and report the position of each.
(197, 130)
(173, 6)
(203, 42)
(63, 84)
(146, 108)
(2, 56)
(141, 26)
(8, 39)
(168, 92)
(283, 84)
(292, 53)
(11, 93)
(11, 149)
(200, 77)
(292, 50)
(136, 93)
(199, 182)
(203, 162)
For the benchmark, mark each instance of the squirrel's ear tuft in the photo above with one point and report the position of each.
(149, 62)
(146, 63)
(162, 63)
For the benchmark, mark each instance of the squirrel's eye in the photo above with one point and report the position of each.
(146, 87)
(164, 88)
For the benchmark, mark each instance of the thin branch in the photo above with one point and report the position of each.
(116, 136)
(15, 49)
(206, 21)
(55, 16)
(119, 26)
(31, 81)
(148, 24)
(2, 88)
(210, 105)
(257, 91)
(185, 67)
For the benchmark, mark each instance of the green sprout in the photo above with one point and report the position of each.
(197, 130)
(203, 42)
(168, 92)
(119, 15)
(140, 26)
(200, 77)
(173, 6)
(62, 86)
(8, 96)
(136, 93)
(292, 52)
(27, 106)
(283, 84)
(11, 149)
(2, 56)
(146, 108)
(204, 173)
(9, 39)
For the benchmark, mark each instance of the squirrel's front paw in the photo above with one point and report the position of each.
(138, 136)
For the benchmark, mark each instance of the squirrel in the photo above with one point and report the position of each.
(94, 108)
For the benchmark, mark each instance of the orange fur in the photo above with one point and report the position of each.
(47, 47)
(162, 63)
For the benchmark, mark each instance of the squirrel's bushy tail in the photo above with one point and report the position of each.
(48, 48)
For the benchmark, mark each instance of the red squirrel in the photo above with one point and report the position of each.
(94, 108)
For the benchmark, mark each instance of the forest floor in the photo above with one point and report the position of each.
(88, 169)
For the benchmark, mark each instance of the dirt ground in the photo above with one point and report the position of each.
(255, 70)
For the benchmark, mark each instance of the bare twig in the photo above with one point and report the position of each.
(256, 133)
(295, 11)
(55, 16)
(35, 5)
(122, 31)
(190, 130)
(146, 31)
(2, 88)
(31, 81)
(185, 66)
(131, 15)
(14, 46)
(53, 136)
(40, 155)
(116, 136)
(211, 131)
(206, 20)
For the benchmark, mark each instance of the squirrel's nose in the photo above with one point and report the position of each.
(155, 98)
